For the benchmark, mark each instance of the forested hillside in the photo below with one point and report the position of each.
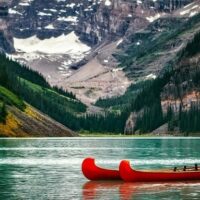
(19, 119)
(173, 97)
(20, 83)
(176, 86)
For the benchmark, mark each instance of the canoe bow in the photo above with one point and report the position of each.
(92, 172)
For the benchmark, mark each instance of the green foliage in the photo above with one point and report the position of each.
(151, 118)
(110, 122)
(43, 98)
(171, 119)
(196, 79)
(64, 92)
(189, 120)
(3, 75)
(185, 79)
(10, 98)
(150, 93)
(3, 112)
(192, 48)
(9, 68)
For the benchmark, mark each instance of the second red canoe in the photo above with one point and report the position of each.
(130, 175)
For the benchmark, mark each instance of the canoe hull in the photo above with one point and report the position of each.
(130, 175)
(93, 172)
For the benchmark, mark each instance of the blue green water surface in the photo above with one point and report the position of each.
(51, 168)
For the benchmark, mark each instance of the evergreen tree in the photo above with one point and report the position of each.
(3, 113)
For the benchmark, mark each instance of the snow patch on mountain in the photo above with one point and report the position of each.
(108, 3)
(55, 45)
(52, 57)
(153, 18)
(151, 76)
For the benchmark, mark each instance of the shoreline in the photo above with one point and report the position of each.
(151, 135)
(97, 135)
(112, 135)
(125, 136)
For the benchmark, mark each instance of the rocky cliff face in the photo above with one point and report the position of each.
(6, 41)
(114, 18)
(44, 18)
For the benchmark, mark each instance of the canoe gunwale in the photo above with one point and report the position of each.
(162, 171)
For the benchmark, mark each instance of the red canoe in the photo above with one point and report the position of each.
(130, 175)
(93, 172)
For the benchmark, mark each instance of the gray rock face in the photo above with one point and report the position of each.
(115, 19)
(130, 124)
(44, 18)
(6, 41)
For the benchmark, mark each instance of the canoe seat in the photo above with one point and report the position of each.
(185, 168)
(175, 168)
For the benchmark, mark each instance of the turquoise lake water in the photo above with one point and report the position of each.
(45, 169)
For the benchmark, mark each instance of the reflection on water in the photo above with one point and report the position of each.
(126, 191)
(50, 169)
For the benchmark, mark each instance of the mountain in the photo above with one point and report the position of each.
(116, 56)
